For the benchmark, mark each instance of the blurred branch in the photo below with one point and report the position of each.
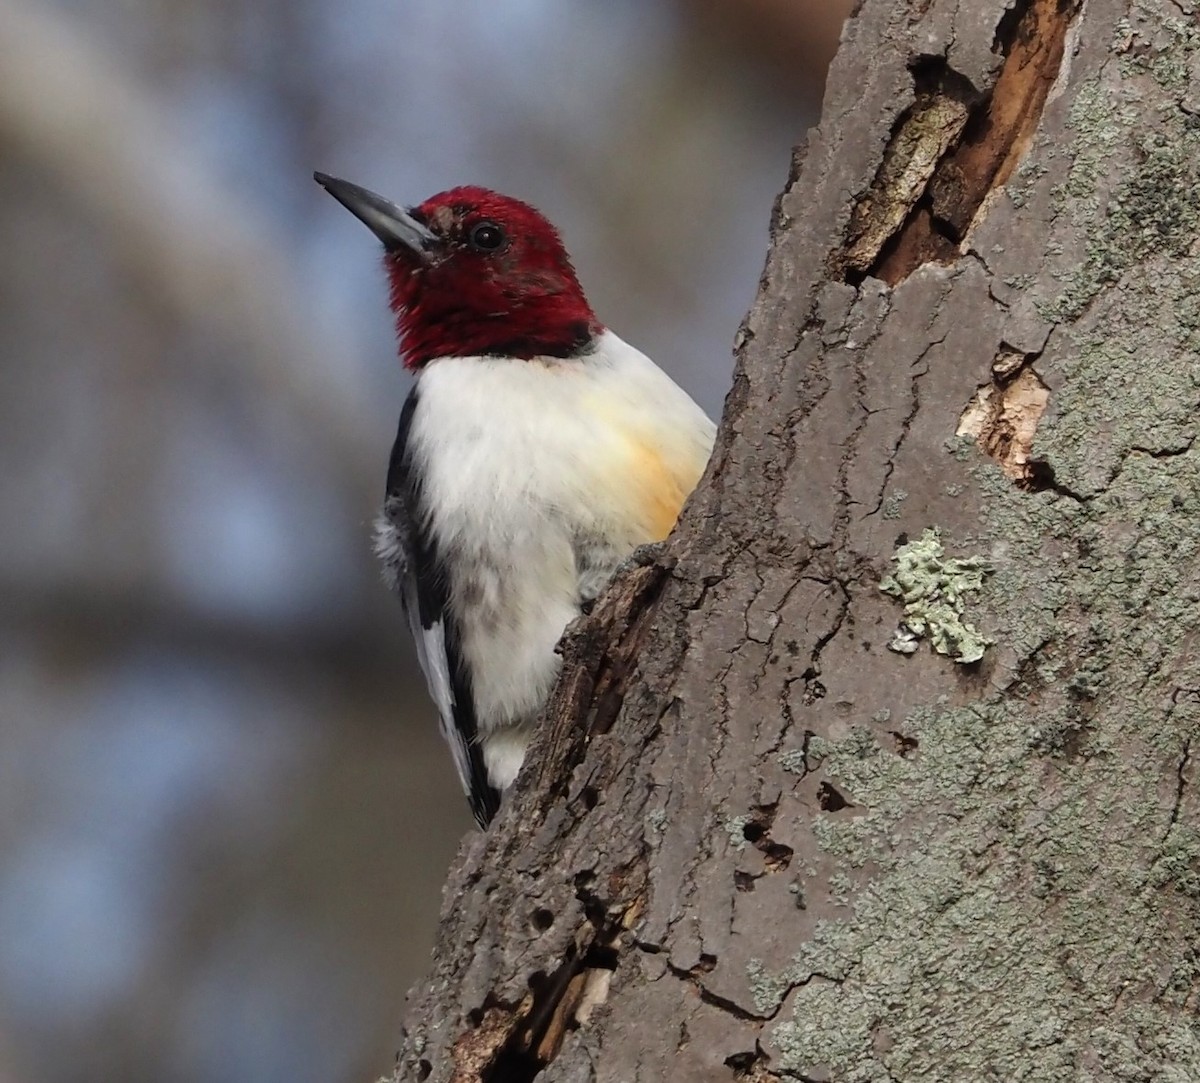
(103, 619)
(194, 246)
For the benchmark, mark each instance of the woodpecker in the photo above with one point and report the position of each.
(535, 452)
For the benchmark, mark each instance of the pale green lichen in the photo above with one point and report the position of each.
(891, 506)
(735, 828)
(1153, 209)
(793, 761)
(1162, 49)
(1038, 918)
(766, 988)
(1016, 914)
(933, 588)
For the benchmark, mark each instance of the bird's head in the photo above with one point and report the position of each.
(473, 272)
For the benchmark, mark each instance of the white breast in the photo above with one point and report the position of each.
(532, 468)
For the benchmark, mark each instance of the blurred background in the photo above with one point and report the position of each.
(225, 814)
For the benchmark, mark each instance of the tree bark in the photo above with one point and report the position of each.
(881, 770)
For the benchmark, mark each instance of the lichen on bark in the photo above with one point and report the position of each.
(1050, 910)
(933, 588)
(795, 853)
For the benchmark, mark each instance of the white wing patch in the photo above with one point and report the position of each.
(431, 653)
(392, 549)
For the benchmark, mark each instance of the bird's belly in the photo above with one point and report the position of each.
(542, 477)
(512, 602)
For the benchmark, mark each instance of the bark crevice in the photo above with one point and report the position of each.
(954, 147)
(831, 860)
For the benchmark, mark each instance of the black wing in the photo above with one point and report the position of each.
(420, 576)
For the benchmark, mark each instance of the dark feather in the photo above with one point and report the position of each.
(422, 579)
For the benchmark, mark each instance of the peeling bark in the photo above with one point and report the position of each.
(1003, 415)
(754, 843)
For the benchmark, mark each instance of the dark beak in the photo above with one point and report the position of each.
(395, 227)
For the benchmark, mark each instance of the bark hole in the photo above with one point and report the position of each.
(515, 1047)
(752, 832)
(1002, 417)
(778, 857)
(953, 147)
(830, 798)
(749, 1066)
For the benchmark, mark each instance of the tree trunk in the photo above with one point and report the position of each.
(882, 770)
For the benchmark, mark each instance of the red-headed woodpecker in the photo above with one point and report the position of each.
(536, 451)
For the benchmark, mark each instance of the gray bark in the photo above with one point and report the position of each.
(754, 842)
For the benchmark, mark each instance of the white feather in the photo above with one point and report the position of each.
(538, 478)
(391, 548)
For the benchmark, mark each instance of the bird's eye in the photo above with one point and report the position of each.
(486, 237)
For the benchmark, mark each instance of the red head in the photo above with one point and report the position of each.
(475, 272)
